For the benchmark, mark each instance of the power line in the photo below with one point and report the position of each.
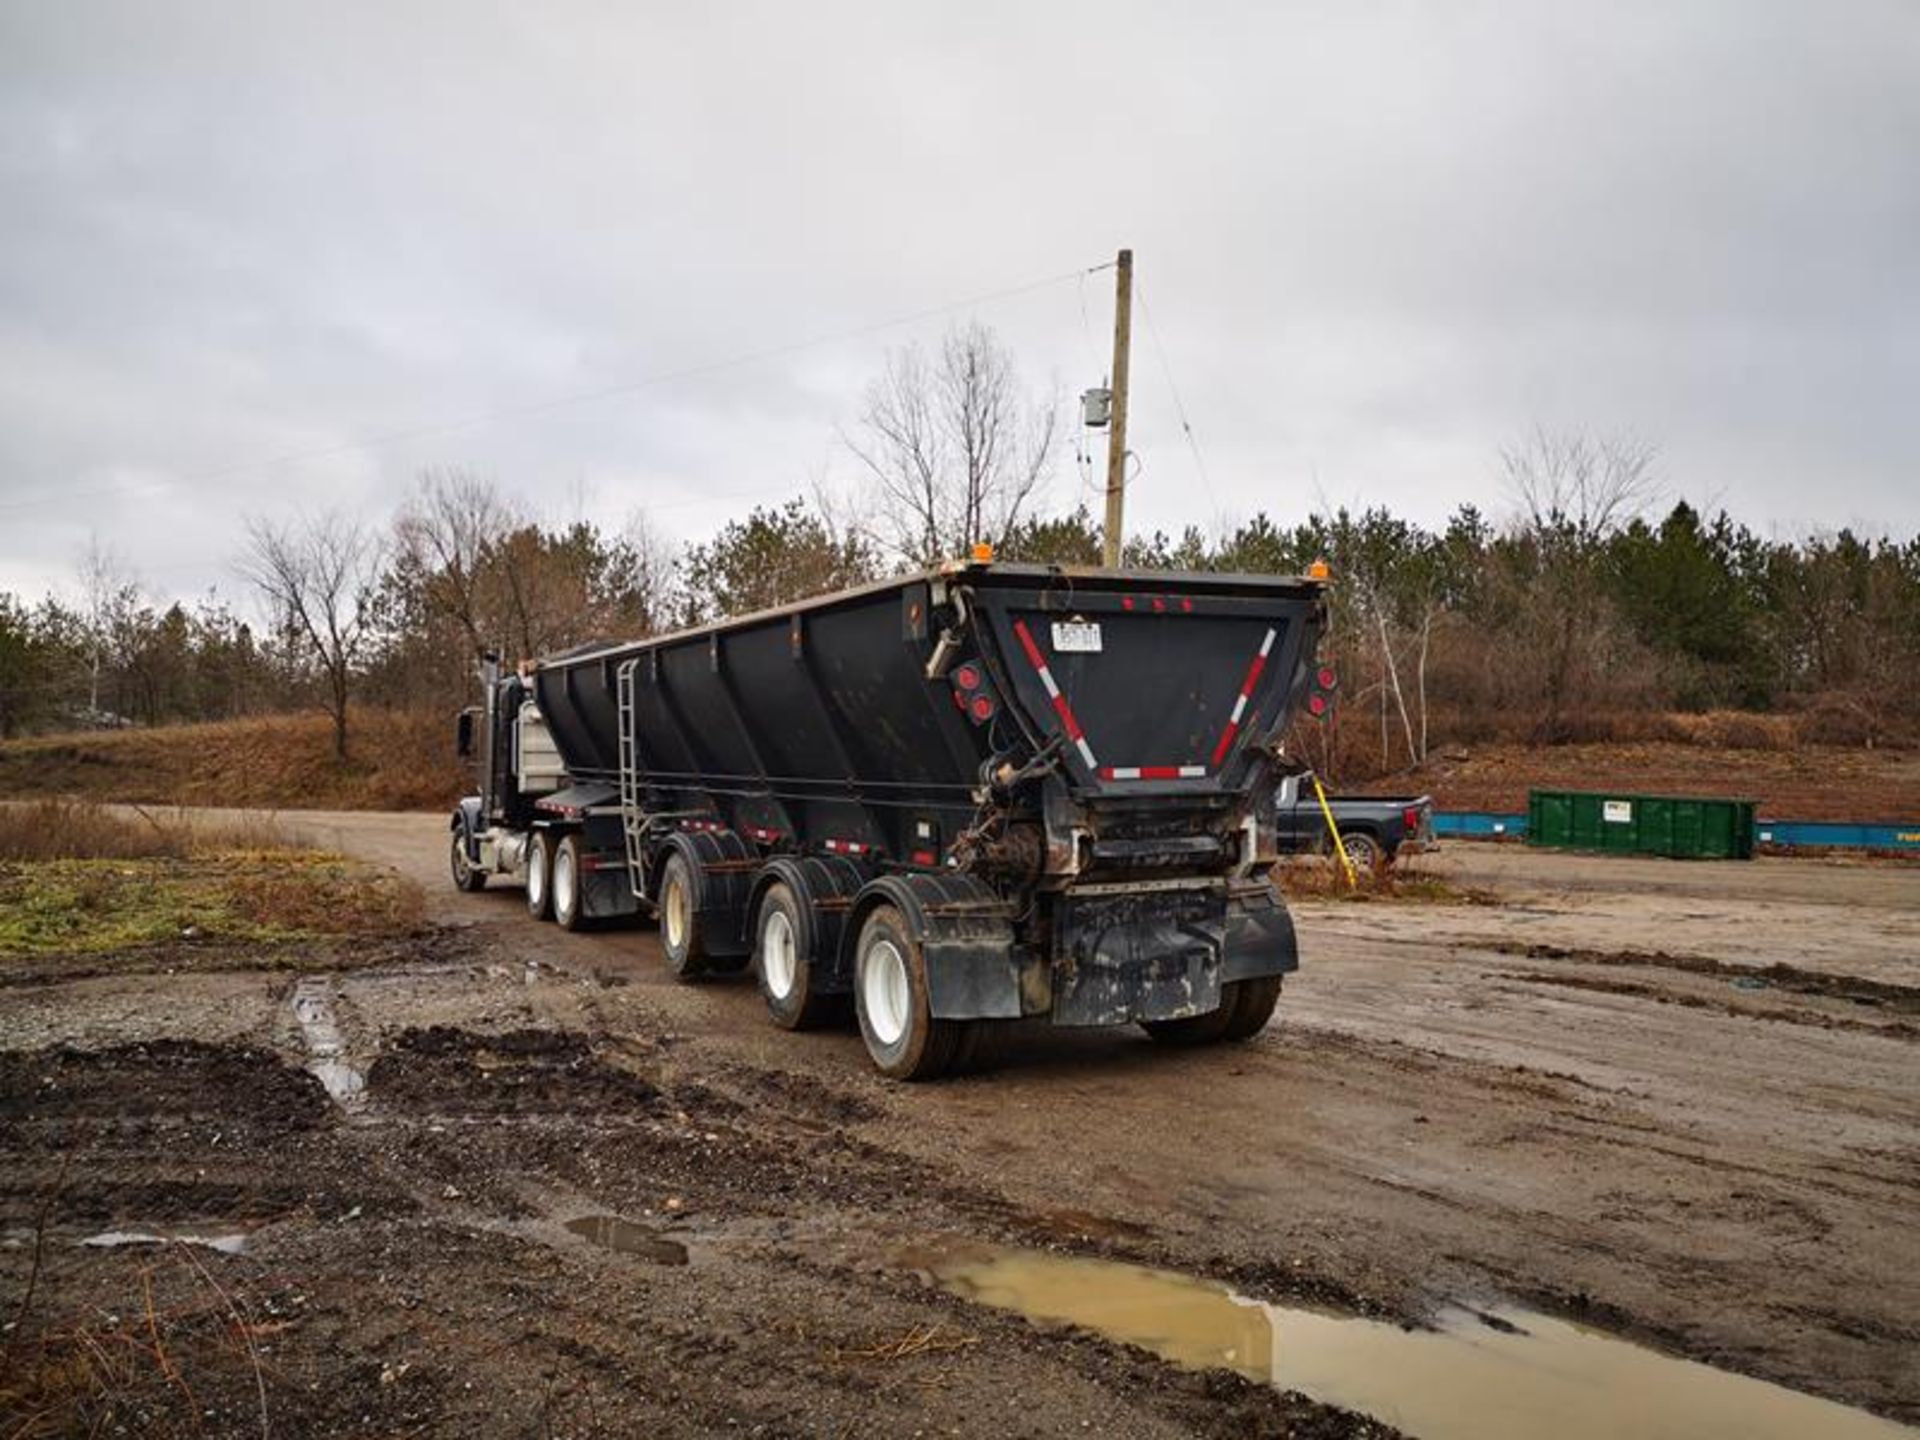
(1179, 406)
(560, 402)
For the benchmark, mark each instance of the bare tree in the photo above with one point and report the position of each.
(651, 571)
(1580, 488)
(446, 537)
(1574, 492)
(320, 576)
(954, 447)
(112, 599)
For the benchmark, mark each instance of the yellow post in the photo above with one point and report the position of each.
(1339, 845)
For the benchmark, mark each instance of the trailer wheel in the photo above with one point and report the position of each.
(890, 995)
(783, 965)
(568, 913)
(679, 925)
(467, 876)
(540, 876)
(1253, 1005)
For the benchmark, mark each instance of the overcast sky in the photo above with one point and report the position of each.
(243, 245)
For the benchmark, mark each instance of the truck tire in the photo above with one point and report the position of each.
(1252, 1004)
(783, 964)
(467, 876)
(890, 997)
(540, 876)
(568, 912)
(1363, 849)
(679, 921)
(1204, 1029)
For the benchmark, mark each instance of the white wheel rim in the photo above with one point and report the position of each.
(676, 912)
(563, 881)
(779, 963)
(884, 991)
(461, 865)
(537, 877)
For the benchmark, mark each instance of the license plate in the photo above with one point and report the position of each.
(1080, 637)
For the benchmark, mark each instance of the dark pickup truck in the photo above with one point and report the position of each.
(1375, 829)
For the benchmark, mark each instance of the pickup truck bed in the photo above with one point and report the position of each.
(1376, 829)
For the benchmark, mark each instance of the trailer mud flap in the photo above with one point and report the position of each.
(1260, 939)
(1164, 954)
(965, 932)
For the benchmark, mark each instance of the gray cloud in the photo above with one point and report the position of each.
(1375, 243)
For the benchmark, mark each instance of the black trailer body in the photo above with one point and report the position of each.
(985, 792)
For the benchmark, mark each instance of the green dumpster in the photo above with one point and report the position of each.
(1683, 826)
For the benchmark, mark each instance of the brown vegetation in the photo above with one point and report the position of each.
(78, 879)
(1790, 781)
(402, 760)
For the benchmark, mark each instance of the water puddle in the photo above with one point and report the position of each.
(1511, 1374)
(611, 1232)
(231, 1244)
(313, 1009)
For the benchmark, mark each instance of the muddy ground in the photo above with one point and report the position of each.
(1678, 1101)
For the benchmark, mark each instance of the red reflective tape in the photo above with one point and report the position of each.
(1253, 675)
(925, 857)
(1226, 740)
(1246, 693)
(1154, 772)
(1066, 717)
(1026, 641)
(1060, 705)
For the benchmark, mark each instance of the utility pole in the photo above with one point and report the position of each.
(1117, 435)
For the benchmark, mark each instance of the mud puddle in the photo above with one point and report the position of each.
(612, 1232)
(313, 1009)
(1508, 1374)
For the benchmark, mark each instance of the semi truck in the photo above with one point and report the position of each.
(982, 793)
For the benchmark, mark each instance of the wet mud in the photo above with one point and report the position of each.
(1468, 1375)
(573, 1197)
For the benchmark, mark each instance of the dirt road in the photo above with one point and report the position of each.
(1678, 1101)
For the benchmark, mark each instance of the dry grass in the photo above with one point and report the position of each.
(1810, 782)
(400, 760)
(1320, 877)
(62, 829)
(150, 1369)
(78, 878)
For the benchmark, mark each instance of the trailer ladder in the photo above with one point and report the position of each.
(633, 821)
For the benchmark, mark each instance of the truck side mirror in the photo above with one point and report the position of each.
(463, 735)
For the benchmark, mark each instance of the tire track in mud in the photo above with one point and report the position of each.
(1791, 979)
(1630, 989)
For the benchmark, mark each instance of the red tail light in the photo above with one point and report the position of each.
(1411, 815)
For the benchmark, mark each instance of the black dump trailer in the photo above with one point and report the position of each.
(972, 795)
